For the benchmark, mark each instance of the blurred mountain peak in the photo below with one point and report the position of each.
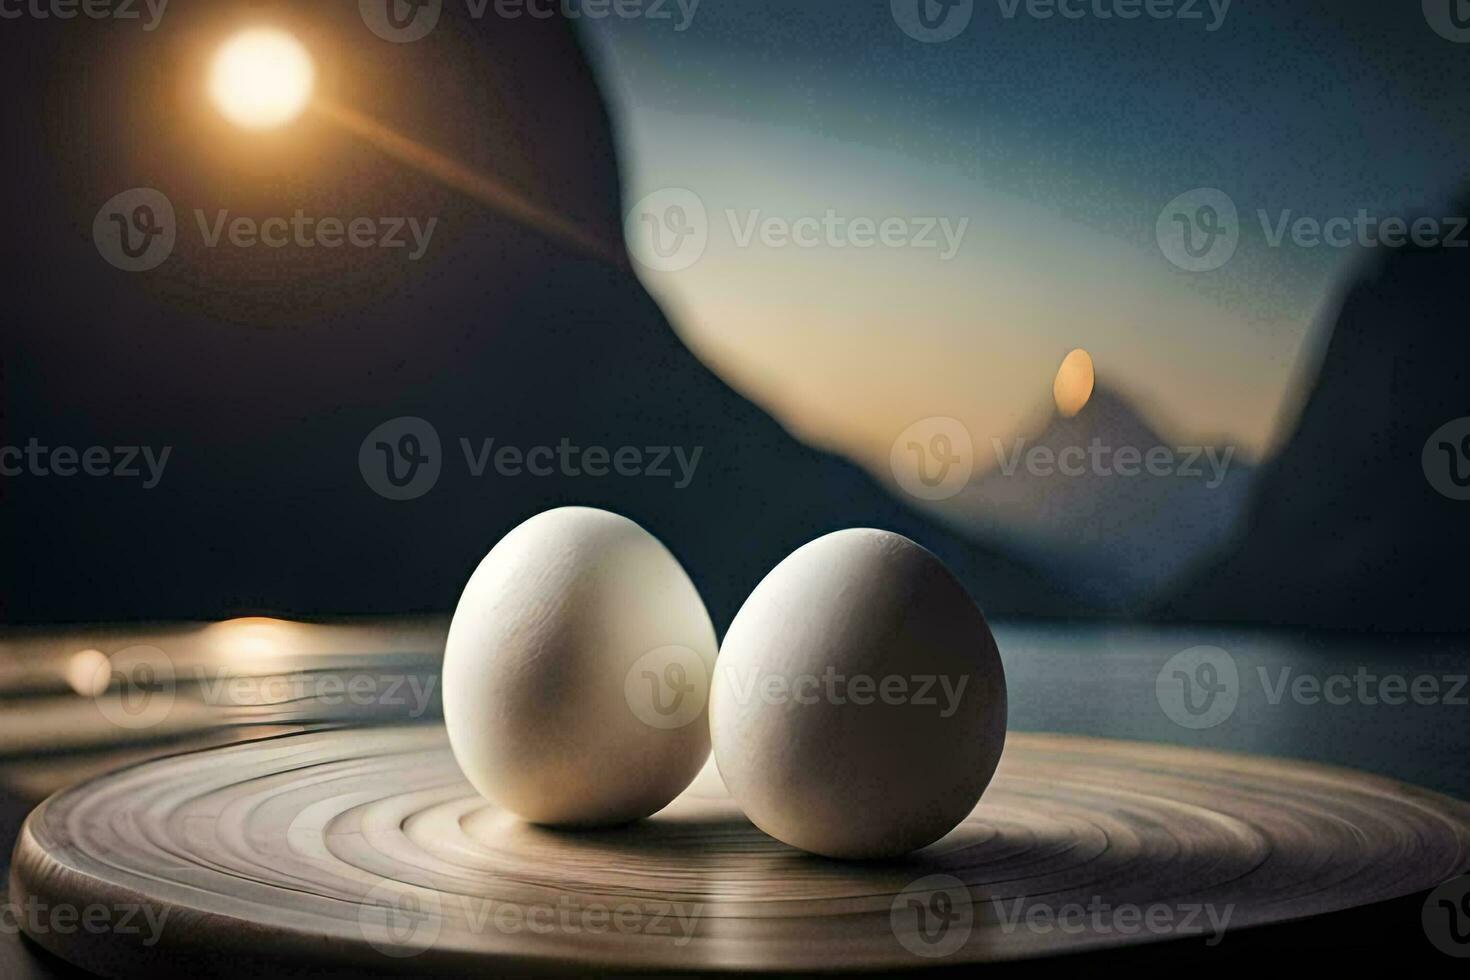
(1106, 501)
(1108, 415)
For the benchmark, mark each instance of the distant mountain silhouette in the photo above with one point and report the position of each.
(1116, 538)
(1345, 528)
(264, 371)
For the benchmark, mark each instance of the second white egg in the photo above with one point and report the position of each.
(859, 703)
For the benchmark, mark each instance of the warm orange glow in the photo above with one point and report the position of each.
(89, 673)
(252, 639)
(484, 188)
(1073, 385)
(262, 78)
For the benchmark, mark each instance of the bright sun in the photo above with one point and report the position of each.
(261, 78)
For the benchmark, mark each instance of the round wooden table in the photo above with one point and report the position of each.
(364, 850)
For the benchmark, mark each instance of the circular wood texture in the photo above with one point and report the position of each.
(365, 851)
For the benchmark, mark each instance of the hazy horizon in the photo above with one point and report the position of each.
(793, 113)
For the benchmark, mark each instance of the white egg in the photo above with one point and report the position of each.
(859, 703)
(576, 672)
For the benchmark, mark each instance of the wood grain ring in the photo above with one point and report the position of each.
(365, 851)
